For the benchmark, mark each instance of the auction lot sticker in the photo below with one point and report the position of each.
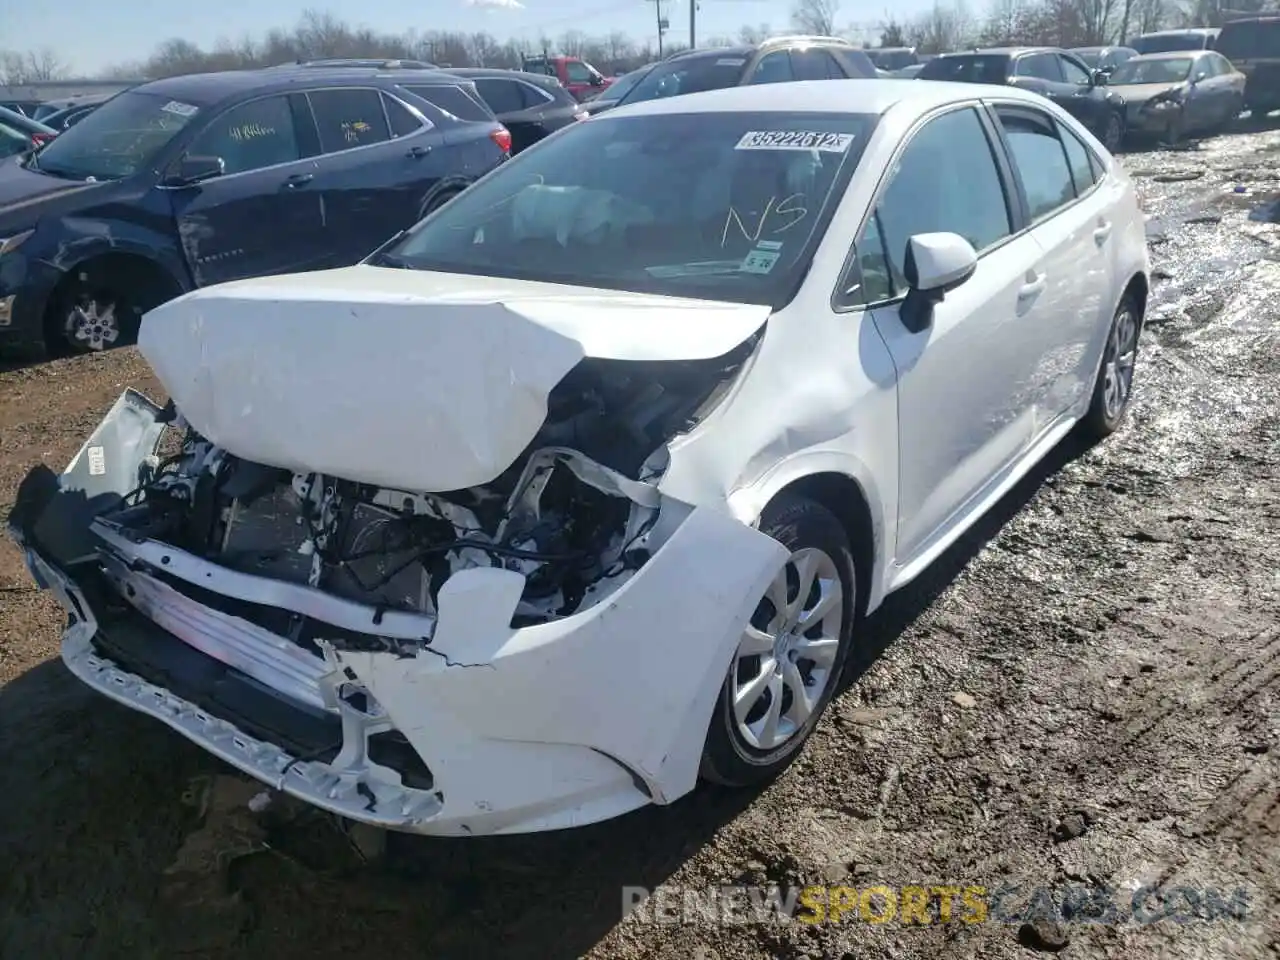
(794, 140)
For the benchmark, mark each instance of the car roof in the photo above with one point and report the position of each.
(1181, 31)
(1170, 55)
(216, 87)
(738, 51)
(999, 52)
(820, 96)
(471, 73)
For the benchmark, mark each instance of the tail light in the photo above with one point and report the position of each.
(40, 139)
(502, 137)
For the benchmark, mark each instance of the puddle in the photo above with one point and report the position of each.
(1268, 212)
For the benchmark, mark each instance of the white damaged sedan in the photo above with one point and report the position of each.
(581, 488)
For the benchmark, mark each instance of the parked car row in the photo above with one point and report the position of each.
(1168, 95)
(581, 488)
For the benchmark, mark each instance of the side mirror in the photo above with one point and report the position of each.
(1100, 76)
(191, 170)
(597, 80)
(1199, 76)
(934, 265)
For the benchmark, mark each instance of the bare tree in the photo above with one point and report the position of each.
(891, 34)
(752, 35)
(941, 29)
(815, 16)
(33, 66)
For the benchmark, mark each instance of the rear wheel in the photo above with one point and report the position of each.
(789, 659)
(1113, 389)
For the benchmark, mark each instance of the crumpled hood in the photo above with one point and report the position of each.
(404, 379)
(1141, 92)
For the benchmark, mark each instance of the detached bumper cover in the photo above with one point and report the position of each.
(550, 726)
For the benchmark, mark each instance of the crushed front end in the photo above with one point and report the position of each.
(538, 652)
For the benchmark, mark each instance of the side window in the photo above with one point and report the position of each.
(1095, 166)
(577, 72)
(348, 118)
(945, 180)
(1082, 174)
(810, 64)
(835, 69)
(536, 96)
(251, 136)
(1041, 65)
(1040, 160)
(403, 123)
(452, 99)
(502, 96)
(1075, 73)
(774, 68)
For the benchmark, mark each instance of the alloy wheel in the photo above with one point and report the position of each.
(784, 661)
(92, 325)
(1118, 363)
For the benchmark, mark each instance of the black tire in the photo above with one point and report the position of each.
(432, 204)
(76, 304)
(727, 756)
(1104, 415)
(1113, 133)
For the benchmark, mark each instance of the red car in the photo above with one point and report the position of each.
(577, 76)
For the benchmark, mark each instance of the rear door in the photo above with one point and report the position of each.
(379, 159)
(263, 214)
(964, 415)
(1067, 207)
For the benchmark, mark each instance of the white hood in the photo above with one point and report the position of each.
(401, 378)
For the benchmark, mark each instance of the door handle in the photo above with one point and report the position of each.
(1103, 232)
(1033, 287)
(298, 180)
(417, 153)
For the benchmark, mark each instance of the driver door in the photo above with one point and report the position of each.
(262, 215)
(965, 414)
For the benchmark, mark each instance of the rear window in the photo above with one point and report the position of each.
(1250, 40)
(719, 206)
(1169, 42)
(691, 75)
(892, 59)
(452, 99)
(975, 69)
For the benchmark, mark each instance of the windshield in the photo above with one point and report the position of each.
(1153, 71)
(692, 75)
(118, 139)
(1249, 39)
(892, 59)
(1168, 43)
(716, 206)
(975, 69)
(623, 85)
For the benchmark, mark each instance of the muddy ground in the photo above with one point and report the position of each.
(1082, 693)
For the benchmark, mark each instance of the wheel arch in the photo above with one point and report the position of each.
(848, 492)
(146, 280)
(1139, 289)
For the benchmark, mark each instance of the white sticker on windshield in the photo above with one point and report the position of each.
(730, 62)
(760, 260)
(97, 461)
(794, 140)
(180, 108)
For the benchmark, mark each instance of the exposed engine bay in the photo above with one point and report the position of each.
(571, 515)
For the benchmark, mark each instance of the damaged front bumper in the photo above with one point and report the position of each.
(469, 727)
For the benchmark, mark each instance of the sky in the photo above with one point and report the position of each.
(89, 35)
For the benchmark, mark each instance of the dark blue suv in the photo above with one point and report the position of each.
(195, 180)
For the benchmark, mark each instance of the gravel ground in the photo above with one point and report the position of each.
(1082, 694)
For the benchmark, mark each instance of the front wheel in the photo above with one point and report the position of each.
(1113, 389)
(86, 320)
(788, 662)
